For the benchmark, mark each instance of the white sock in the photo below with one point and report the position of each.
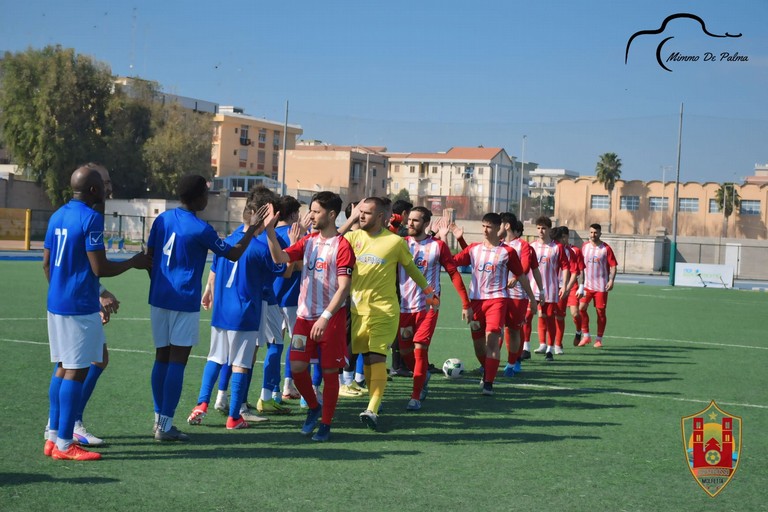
(53, 435)
(526, 346)
(348, 377)
(165, 423)
(549, 349)
(585, 335)
(266, 394)
(360, 377)
(221, 395)
(63, 445)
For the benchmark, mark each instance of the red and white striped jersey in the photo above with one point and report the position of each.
(490, 269)
(551, 258)
(325, 259)
(598, 260)
(527, 260)
(429, 255)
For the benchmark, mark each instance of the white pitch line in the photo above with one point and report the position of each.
(538, 386)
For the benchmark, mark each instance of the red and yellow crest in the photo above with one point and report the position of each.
(712, 443)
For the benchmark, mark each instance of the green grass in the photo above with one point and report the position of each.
(596, 430)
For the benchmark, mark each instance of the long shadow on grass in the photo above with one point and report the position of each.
(7, 479)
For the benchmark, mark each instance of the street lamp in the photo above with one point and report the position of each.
(522, 173)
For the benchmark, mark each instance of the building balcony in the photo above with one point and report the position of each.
(245, 142)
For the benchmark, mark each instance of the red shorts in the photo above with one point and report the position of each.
(417, 327)
(573, 300)
(331, 349)
(547, 309)
(490, 316)
(601, 298)
(516, 309)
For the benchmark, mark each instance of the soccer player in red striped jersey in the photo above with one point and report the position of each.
(491, 263)
(570, 301)
(599, 273)
(518, 302)
(417, 319)
(321, 323)
(552, 263)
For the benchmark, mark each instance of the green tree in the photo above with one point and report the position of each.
(53, 103)
(180, 144)
(728, 199)
(608, 172)
(129, 127)
(403, 194)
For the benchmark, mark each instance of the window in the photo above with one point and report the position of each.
(275, 158)
(244, 135)
(383, 183)
(412, 169)
(397, 168)
(688, 205)
(480, 171)
(243, 155)
(714, 207)
(479, 189)
(749, 207)
(396, 186)
(433, 186)
(598, 202)
(631, 203)
(658, 204)
(261, 157)
(262, 135)
(434, 169)
(276, 139)
(374, 172)
(356, 168)
(411, 186)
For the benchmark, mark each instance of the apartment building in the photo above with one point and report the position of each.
(353, 172)
(471, 180)
(247, 145)
(646, 208)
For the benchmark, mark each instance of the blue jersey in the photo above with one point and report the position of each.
(238, 286)
(180, 243)
(286, 290)
(74, 230)
(268, 293)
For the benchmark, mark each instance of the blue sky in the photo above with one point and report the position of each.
(426, 76)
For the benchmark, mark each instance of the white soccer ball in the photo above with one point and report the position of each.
(453, 368)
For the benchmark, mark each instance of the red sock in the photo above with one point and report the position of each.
(419, 371)
(601, 321)
(519, 348)
(551, 328)
(584, 321)
(508, 341)
(408, 358)
(559, 330)
(304, 384)
(577, 322)
(542, 330)
(491, 369)
(330, 396)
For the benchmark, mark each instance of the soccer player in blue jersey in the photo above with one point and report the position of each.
(178, 245)
(73, 261)
(235, 322)
(287, 288)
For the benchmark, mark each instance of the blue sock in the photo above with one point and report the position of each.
(248, 377)
(159, 371)
(53, 397)
(317, 374)
(239, 382)
(288, 372)
(69, 398)
(272, 366)
(94, 372)
(359, 364)
(224, 376)
(174, 381)
(210, 372)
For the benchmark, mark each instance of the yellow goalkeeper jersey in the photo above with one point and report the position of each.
(374, 280)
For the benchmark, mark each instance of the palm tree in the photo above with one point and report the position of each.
(727, 199)
(608, 172)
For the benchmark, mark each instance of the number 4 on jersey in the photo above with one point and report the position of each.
(168, 248)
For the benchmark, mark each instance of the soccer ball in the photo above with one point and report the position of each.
(453, 368)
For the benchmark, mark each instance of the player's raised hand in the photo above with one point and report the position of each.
(267, 215)
(295, 233)
(457, 231)
(305, 222)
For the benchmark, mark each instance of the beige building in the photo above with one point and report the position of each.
(645, 208)
(246, 145)
(472, 181)
(353, 172)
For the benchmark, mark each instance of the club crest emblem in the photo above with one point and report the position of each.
(712, 445)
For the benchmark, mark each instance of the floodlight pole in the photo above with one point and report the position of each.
(522, 173)
(283, 186)
(673, 247)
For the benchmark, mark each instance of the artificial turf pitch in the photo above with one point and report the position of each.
(595, 430)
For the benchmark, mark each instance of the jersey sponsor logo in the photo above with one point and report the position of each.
(543, 258)
(487, 267)
(593, 260)
(712, 447)
(371, 259)
(221, 244)
(318, 265)
(96, 237)
(421, 262)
